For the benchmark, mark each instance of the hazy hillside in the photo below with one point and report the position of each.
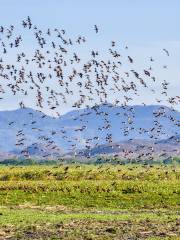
(68, 128)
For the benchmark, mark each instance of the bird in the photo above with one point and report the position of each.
(96, 28)
(166, 51)
(62, 77)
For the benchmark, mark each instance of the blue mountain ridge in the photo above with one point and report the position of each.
(91, 120)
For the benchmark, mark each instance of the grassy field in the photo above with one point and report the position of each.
(90, 202)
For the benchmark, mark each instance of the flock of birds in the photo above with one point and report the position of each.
(54, 75)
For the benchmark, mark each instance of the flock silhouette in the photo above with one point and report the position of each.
(55, 74)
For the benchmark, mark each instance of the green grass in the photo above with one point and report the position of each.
(91, 172)
(29, 216)
(95, 202)
(99, 194)
(89, 186)
(34, 222)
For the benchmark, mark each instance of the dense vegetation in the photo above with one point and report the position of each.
(90, 202)
(95, 161)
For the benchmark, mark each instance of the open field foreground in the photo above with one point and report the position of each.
(90, 202)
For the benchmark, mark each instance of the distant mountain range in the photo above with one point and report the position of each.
(89, 126)
(136, 148)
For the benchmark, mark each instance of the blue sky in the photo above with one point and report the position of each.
(145, 26)
(134, 21)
